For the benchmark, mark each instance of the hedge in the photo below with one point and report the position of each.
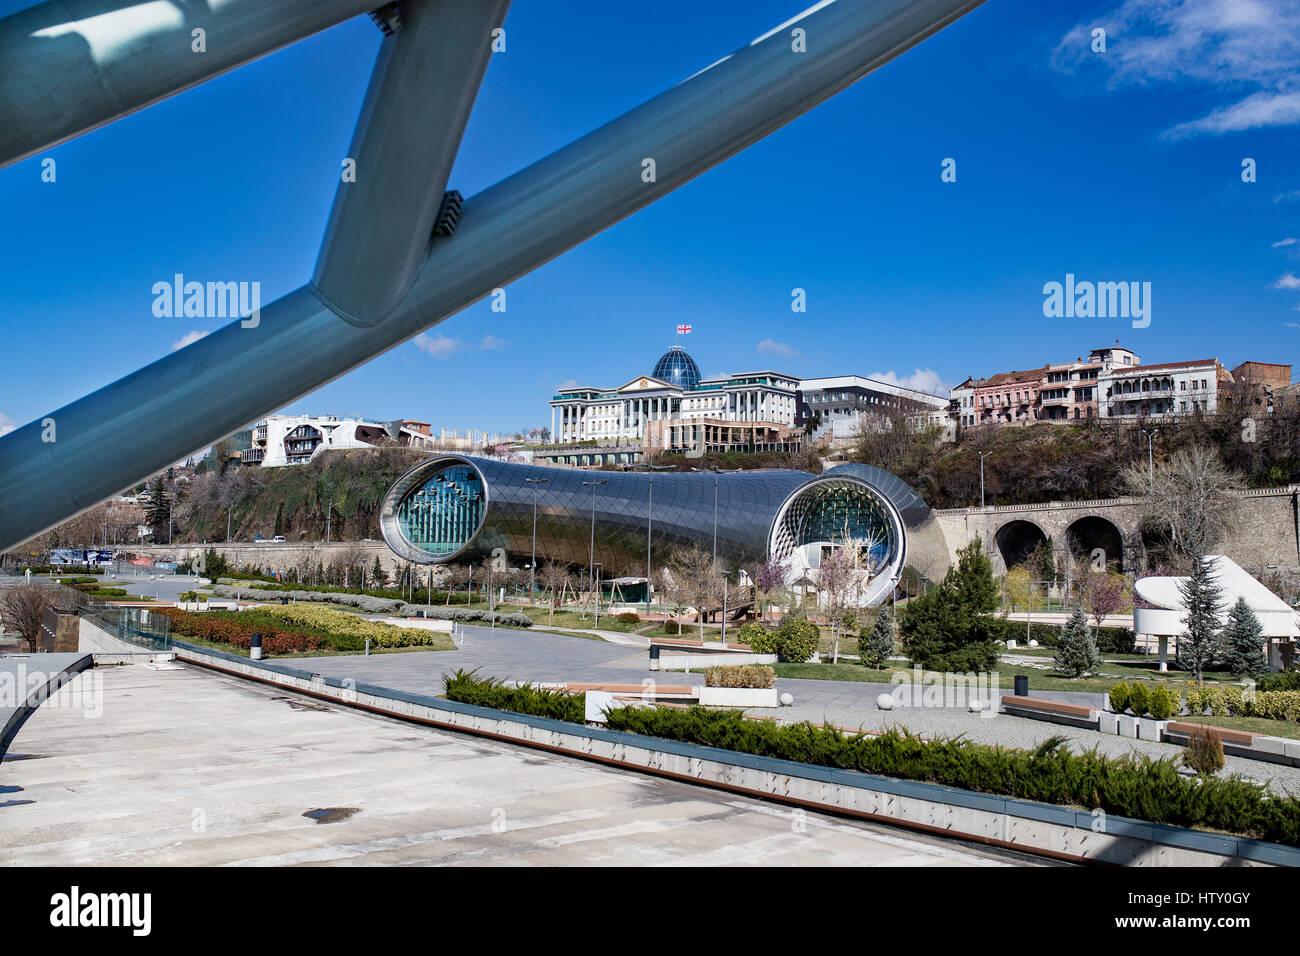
(1111, 640)
(1163, 702)
(741, 675)
(229, 588)
(1135, 785)
(469, 688)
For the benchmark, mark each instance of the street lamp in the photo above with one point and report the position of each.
(596, 568)
(725, 576)
(650, 520)
(1151, 469)
(532, 571)
(329, 514)
(715, 516)
(982, 455)
(591, 559)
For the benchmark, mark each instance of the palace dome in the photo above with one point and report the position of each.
(677, 368)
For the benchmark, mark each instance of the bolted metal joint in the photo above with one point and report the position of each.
(388, 18)
(449, 214)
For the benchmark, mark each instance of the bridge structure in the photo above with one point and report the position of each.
(1264, 530)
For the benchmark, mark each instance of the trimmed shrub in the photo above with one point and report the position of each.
(229, 588)
(743, 675)
(336, 624)
(796, 640)
(1164, 703)
(628, 617)
(469, 688)
(1283, 680)
(466, 614)
(1204, 752)
(1119, 695)
(1139, 699)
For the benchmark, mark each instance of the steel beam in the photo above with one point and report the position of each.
(69, 66)
(180, 404)
(419, 100)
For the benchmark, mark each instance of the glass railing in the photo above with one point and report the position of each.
(140, 626)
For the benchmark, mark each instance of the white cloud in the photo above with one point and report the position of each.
(1288, 241)
(189, 338)
(1292, 196)
(567, 383)
(1246, 48)
(6, 424)
(1287, 280)
(773, 347)
(439, 346)
(921, 380)
(491, 343)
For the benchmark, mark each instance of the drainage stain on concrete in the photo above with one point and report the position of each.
(331, 814)
(14, 803)
(297, 704)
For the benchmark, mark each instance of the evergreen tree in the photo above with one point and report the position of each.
(950, 627)
(1242, 642)
(1203, 599)
(1077, 653)
(971, 582)
(876, 644)
(377, 575)
(157, 512)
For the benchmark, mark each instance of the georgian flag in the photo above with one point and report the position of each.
(683, 329)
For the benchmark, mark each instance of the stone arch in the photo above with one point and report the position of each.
(1016, 541)
(1085, 535)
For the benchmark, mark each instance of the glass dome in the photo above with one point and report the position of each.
(677, 368)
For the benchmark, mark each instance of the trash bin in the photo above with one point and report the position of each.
(284, 600)
(1022, 685)
(654, 657)
(255, 647)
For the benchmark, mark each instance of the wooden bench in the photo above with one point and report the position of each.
(637, 691)
(1227, 736)
(1074, 715)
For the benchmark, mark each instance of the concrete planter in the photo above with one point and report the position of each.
(739, 697)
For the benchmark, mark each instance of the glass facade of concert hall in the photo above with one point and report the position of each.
(461, 508)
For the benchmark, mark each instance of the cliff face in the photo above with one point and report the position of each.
(294, 501)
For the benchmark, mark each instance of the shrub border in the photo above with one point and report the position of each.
(1158, 834)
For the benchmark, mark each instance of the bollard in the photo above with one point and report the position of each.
(1022, 685)
(255, 647)
(367, 647)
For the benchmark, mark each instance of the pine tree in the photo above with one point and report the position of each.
(1077, 653)
(1242, 642)
(1203, 599)
(876, 644)
(157, 512)
(377, 575)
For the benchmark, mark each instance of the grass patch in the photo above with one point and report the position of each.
(1253, 725)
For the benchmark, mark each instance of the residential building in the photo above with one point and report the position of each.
(1158, 391)
(296, 439)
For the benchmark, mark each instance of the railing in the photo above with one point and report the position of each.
(134, 625)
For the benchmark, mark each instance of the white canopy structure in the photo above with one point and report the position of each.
(1280, 621)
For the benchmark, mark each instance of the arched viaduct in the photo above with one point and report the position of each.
(1265, 530)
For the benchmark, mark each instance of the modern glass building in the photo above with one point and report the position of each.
(466, 509)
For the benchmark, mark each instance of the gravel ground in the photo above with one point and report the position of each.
(1022, 732)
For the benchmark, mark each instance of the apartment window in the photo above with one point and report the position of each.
(1182, 387)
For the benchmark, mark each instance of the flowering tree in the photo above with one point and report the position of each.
(768, 577)
(1104, 592)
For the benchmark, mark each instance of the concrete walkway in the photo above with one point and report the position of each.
(185, 767)
(25, 682)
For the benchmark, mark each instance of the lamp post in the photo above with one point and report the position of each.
(532, 570)
(591, 560)
(650, 520)
(596, 568)
(329, 514)
(725, 576)
(715, 516)
(229, 511)
(982, 455)
(1151, 468)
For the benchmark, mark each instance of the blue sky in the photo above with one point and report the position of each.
(1124, 165)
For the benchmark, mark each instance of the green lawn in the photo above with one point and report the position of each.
(1111, 674)
(1254, 725)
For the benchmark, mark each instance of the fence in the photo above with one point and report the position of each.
(134, 625)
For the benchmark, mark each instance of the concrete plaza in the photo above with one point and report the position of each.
(183, 766)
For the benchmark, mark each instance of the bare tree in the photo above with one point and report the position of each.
(671, 592)
(700, 579)
(1189, 497)
(555, 578)
(24, 607)
(353, 559)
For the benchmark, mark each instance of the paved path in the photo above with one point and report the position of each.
(26, 680)
(520, 655)
(185, 767)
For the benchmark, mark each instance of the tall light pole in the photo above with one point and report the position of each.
(532, 571)
(1151, 467)
(591, 560)
(329, 514)
(649, 525)
(596, 568)
(725, 576)
(229, 511)
(715, 516)
(982, 454)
